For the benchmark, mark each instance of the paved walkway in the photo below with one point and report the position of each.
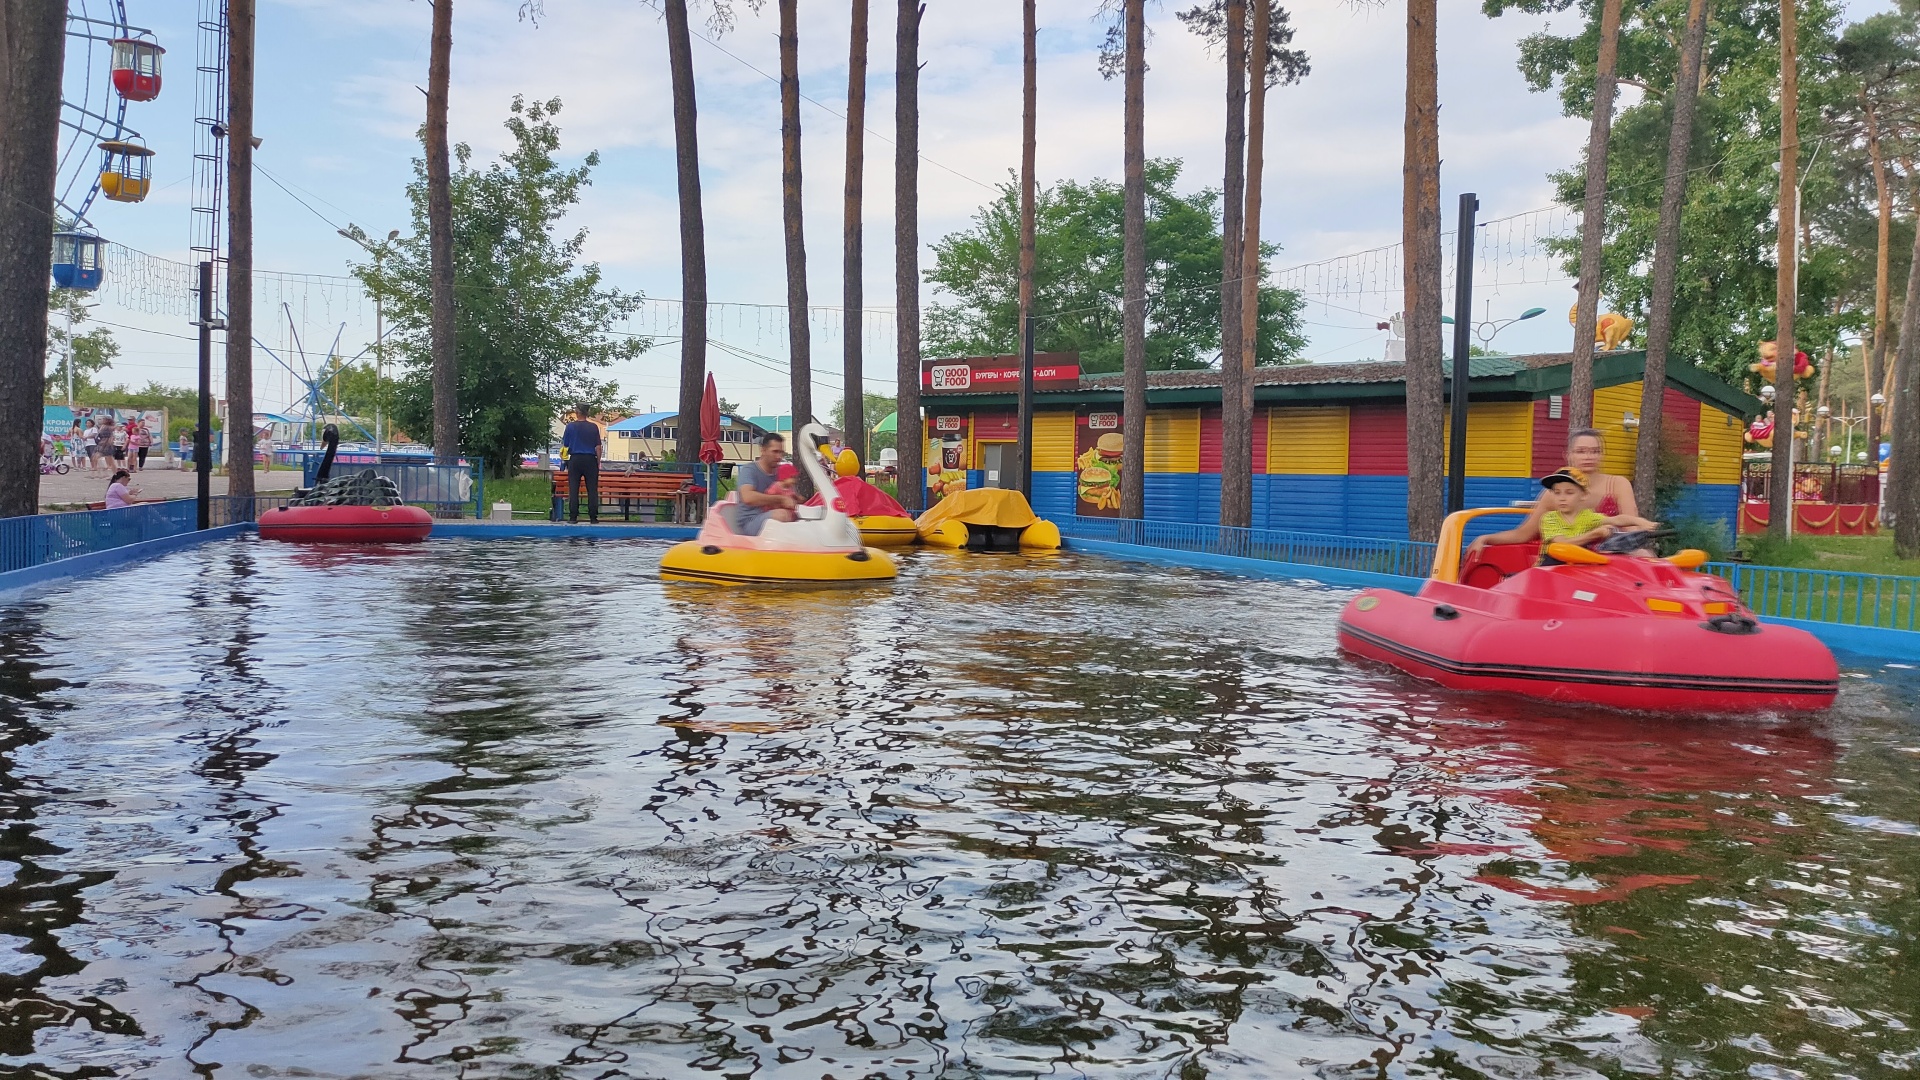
(158, 481)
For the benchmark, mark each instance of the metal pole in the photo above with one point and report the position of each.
(1462, 331)
(203, 437)
(379, 368)
(1024, 480)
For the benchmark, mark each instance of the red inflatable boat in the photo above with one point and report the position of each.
(397, 524)
(1632, 633)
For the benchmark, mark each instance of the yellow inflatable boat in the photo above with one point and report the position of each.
(821, 546)
(987, 519)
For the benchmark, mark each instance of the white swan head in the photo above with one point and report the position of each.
(807, 452)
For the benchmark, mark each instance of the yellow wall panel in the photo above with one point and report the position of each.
(1307, 441)
(1052, 442)
(1499, 438)
(1721, 445)
(1611, 405)
(1173, 441)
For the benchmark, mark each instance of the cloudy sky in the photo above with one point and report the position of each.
(339, 105)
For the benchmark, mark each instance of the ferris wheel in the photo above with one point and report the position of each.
(109, 64)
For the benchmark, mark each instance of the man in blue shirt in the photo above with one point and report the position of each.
(582, 442)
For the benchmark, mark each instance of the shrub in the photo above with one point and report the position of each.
(1769, 550)
(1712, 537)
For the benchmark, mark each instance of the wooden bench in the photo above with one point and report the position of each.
(628, 488)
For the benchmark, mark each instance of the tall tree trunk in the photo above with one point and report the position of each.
(910, 439)
(1133, 258)
(240, 249)
(1240, 465)
(1876, 364)
(1593, 220)
(1903, 492)
(853, 283)
(1666, 256)
(1236, 389)
(33, 44)
(693, 236)
(1420, 267)
(1786, 281)
(1029, 123)
(799, 334)
(446, 366)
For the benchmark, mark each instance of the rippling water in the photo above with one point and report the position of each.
(518, 809)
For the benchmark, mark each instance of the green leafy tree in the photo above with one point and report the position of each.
(1724, 303)
(531, 324)
(873, 409)
(90, 353)
(356, 388)
(1077, 278)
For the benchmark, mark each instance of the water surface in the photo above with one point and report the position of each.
(519, 809)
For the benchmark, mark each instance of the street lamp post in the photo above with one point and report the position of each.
(1486, 328)
(359, 236)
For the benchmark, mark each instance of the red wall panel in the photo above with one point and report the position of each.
(1210, 440)
(1549, 437)
(1681, 417)
(1377, 440)
(1262, 424)
(996, 426)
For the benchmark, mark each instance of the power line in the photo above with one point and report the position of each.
(830, 111)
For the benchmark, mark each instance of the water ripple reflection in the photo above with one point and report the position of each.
(505, 809)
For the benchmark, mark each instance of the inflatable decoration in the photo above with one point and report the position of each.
(1769, 351)
(1610, 331)
(1760, 432)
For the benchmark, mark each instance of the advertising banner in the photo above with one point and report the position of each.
(1097, 454)
(58, 421)
(946, 456)
(998, 374)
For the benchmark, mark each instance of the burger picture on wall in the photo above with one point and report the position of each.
(1098, 469)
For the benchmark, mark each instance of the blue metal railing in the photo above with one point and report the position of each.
(1406, 558)
(44, 538)
(445, 490)
(1835, 596)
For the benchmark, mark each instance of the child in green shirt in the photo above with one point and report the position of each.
(1563, 524)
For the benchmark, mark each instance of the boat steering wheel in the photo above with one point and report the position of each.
(1622, 543)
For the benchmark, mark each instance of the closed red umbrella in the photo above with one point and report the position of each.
(710, 451)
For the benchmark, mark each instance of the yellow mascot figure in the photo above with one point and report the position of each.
(1610, 331)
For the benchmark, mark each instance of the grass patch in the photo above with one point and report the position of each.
(530, 491)
(1858, 554)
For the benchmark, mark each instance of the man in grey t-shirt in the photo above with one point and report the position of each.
(755, 480)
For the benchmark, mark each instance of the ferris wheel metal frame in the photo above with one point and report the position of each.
(88, 118)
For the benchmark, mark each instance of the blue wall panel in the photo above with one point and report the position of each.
(1053, 494)
(1377, 506)
(1262, 500)
(1173, 497)
(1709, 503)
(1307, 503)
(1484, 491)
(1207, 502)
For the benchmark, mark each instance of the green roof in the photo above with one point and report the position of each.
(1493, 378)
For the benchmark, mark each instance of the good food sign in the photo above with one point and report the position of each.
(991, 374)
